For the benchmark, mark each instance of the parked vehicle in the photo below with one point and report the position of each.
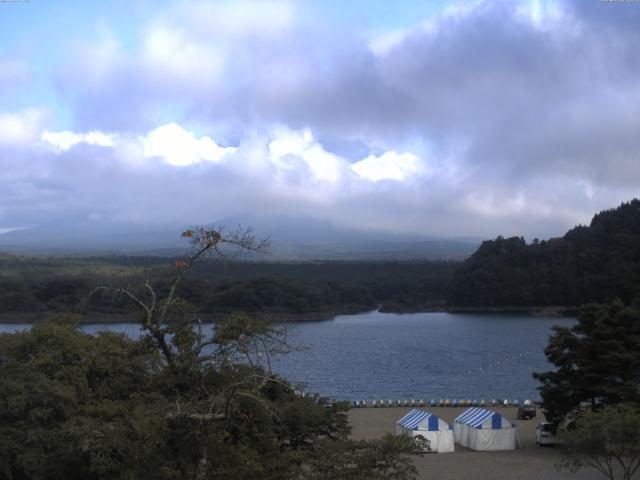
(545, 434)
(526, 412)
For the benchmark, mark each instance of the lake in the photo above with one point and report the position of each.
(377, 355)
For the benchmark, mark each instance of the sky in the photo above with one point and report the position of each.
(448, 118)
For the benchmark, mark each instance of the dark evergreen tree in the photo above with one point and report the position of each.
(597, 361)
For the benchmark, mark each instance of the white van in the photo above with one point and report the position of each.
(545, 434)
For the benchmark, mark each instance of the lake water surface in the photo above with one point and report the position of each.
(411, 356)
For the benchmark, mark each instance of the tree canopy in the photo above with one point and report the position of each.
(597, 361)
(607, 440)
(592, 263)
(34, 287)
(183, 402)
(104, 406)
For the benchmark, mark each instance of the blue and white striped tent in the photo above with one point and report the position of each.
(425, 424)
(484, 430)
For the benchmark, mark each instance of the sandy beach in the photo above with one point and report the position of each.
(530, 462)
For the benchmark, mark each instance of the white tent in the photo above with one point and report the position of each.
(484, 430)
(420, 423)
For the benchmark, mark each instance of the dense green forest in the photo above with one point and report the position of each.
(91, 407)
(35, 285)
(589, 264)
(178, 403)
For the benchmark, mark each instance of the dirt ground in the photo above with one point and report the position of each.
(530, 462)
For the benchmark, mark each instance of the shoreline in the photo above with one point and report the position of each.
(528, 462)
(28, 318)
(289, 317)
(539, 311)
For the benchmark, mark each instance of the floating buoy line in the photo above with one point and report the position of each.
(441, 403)
(388, 403)
(494, 402)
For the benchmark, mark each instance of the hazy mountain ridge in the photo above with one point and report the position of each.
(291, 239)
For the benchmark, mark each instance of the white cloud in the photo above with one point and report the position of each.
(169, 53)
(388, 166)
(542, 14)
(180, 147)
(20, 127)
(236, 19)
(300, 145)
(384, 43)
(66, 139)
(100, 56)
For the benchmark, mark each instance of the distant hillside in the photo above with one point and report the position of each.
(291, 239)
(590, 263)
(33, 287)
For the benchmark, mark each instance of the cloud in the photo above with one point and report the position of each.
(66, 139)
(20, 127)
(388, 166)
(233, 19)
(180, 148)
(171, 57)
(10, 229)
(525, 111)
(289, 148)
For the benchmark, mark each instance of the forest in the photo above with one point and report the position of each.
(178, 403)
(593, 263)
(597, 262)
(31, 286)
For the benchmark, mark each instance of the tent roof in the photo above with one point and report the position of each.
(475, 417)
(415, 418)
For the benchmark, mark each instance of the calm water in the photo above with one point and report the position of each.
(424, 355)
